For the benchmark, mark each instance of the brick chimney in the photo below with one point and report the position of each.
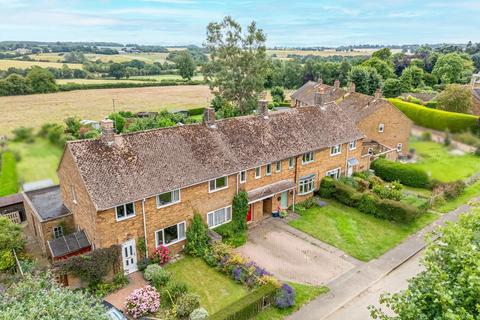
(320, 81)
(108, 133)
(378, 94)
(336, 84)
(319, 97)
(352, 87)
(263, 108)
(209, 117)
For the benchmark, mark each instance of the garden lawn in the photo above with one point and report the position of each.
(470, 192)
(8, 174)
(304, 294)
(443, 166)
(38, 160)
(360, 235)
(215, 289)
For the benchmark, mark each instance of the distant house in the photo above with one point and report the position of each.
(12, 207)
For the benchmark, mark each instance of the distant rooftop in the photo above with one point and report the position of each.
(47, 202)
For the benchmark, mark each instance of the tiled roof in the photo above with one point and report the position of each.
(11, 200)
(47, 202)
(68, 244)
(271, 189)
(306, 93)
(143, 164)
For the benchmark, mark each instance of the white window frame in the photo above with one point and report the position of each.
(210, 190)
(310, 155)
(74, 195)
(244, 179)
(336, 150)
(336, 171)
(170, 203)
(307, 181)
(291, 162)
(352, 145)
(268, 169)
(399, 147)
(57, 232)
(258, 172)
(227, 210)
(125, 208)
(278, 166)
(381, 127)
(178, 233)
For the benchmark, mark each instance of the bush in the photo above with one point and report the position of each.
(426, 136)
(161, 255)
(346, 194)
(248, 306)
(172, 291)
(199, 314)
(197, 236)
(392, 191)
(437, 119)
(396, 210)
(285, 297)
(186, 303)
(195, 111)
(477, 152)
(8, 174)
(239, 211)
(23, 134)
(449, 190)
(278, 95)
(156, 275)
(327, 187)
(406, 174)
(143, 263)
(368, 204)
(142, 302)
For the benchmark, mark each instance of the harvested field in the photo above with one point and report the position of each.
(5, 64)
(35, 110)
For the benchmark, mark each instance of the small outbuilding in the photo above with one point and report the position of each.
(12, 207)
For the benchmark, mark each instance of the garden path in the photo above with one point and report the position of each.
(119, 297)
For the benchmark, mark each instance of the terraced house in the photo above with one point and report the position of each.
(120, 188)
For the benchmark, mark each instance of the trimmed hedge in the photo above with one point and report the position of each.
(125, 84)
(407, 174)
(195, 111)
(330, 188)
(248, 306)
(437, 119)
(8, 174)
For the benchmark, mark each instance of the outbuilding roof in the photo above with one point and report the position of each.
(11, 200)
(69, 244)
(47, 203)
(147, 163)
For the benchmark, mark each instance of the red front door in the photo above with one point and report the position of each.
(249, 214)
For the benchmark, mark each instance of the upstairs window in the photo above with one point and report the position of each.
(170, 235)
(278, 166)
(168, 198)
(57, 232)
(243, 176)
(218, 184)
(125, 211)
(307, 157)
(268, 169)
(381, 127)
(335, 150)
(352, 145)
(306, 184)
(291, 162)
(258, 172)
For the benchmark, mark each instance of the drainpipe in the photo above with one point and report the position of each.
(144, 228)
(238, 178)
(346, 159)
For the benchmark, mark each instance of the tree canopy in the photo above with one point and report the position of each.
(455, 98)
(185, 65)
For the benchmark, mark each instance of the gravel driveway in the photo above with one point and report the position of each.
(292, 255)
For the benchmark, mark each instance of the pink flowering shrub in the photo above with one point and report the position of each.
(142, 301)
(161, 255)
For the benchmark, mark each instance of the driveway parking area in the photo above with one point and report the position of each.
(292, 255)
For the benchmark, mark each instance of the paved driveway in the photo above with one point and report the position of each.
(292, 255)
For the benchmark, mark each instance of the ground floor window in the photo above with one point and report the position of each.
(219, 217)
(170, 235)
(335, 173)
(399, 147)
(57, 232)
(306, 184)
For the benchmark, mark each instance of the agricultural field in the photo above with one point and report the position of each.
(35, 110)
(283, 54)
(146, 57)
(97, 81)
(160, 77)
(5, 64)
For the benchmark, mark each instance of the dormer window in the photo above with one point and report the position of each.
(218, 184)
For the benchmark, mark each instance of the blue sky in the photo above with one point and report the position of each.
(286, 22)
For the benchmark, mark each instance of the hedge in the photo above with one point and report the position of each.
(125, 84)
(248, 306)
(330, 188)
(437, 119)
(8, 174)
(407, 174)
(195, 111)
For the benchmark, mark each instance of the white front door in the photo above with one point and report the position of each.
(349, 170)
(129, 254)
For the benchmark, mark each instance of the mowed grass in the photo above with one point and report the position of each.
(441, 164)
(35, 110)
(215, 289)
(5, 64)
(303, 294)
(38, 160)
(360, 235)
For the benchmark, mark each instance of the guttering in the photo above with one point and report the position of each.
(144, 227)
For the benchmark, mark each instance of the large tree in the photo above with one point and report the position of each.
(185, 64)
(41, 80)
(449, 288)
(384, 68)
(455, 98)
(366, 79)
(238, 63)
(453, 68)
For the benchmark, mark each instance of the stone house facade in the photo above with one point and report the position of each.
(121, 188)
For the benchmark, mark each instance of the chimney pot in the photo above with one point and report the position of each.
(209, 117)
(336, 84)
(378, 94)
(352, 87)
(263, 108)
(108, 134)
